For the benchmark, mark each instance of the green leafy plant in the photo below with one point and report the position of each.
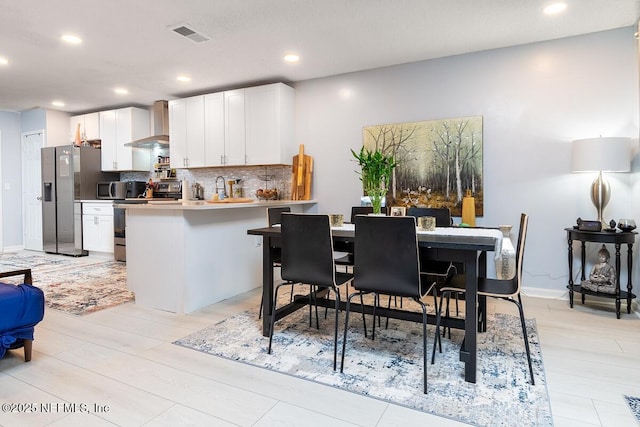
(376, 171)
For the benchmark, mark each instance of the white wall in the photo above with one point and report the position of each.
(535, 99)
(11, 180)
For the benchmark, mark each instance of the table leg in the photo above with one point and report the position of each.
(583, 260)
(629, 284)
(482, 300)
(617, 245)
(267, 284)
(570, 272)
(468, 353)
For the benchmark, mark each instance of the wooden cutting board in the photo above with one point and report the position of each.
(301, 173)
(232, 200)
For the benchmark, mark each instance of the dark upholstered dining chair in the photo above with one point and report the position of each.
(307, 258)
(387, 263)
(273, 218)
(507, 289)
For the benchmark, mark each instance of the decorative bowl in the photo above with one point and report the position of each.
(268, 194)
(627, 225)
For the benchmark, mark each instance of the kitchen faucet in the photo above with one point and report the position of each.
(220, 187)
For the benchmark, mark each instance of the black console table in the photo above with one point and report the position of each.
(617, 238)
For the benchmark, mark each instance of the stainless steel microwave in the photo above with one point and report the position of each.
(111, 190)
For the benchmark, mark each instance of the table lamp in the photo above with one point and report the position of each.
(611, 154)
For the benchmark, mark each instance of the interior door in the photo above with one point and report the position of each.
(32, 143)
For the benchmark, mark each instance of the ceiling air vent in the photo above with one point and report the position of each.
(190, 33)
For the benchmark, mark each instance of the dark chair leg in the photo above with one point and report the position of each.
(376, 301)
(524, 335)
(364, 322)
(273, 316)
(424, 344)
(262, 301)
(335, 333)
(436, 338)
(346, 328)
(28, 346)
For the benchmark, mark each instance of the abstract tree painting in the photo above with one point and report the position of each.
(438, 160)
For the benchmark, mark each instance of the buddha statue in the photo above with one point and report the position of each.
(603, 275)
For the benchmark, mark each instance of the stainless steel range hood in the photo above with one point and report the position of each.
(160, 137)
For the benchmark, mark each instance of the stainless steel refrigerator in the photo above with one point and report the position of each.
(69, 174)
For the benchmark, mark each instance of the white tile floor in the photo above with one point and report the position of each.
(123, 358)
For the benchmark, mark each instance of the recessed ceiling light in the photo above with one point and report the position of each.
(71, 39)
(554, 8)
(183, 79)
(291, 58)
(57, 103)
(121, 91)
(3, 60)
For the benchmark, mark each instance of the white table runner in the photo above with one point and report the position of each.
(505, 254)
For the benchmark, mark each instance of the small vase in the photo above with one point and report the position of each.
(506, 262)
(469, 209)
(376, 203)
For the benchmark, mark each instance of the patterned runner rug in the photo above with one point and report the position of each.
(634, 405)
(390, 368)
(77, 286)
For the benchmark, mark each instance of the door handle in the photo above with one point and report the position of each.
(39, 198)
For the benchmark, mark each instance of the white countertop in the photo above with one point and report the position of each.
(203, 205)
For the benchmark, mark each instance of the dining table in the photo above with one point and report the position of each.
(465, 245)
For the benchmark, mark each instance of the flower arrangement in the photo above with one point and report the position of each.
(376, 171)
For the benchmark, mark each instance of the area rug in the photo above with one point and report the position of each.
(634, 405)
(390, 367)
(77, 286)
(85, 290)
(39, 260)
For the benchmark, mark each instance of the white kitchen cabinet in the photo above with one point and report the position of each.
(187, 132)
(197, 131)
(252, 126)
(89, 126)
(214, 142)
(269, 121)
(234, 127)
(178, 133)
(97, 227)
(119, 127)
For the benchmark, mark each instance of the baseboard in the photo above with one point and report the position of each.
(13, 248)
(545, 293)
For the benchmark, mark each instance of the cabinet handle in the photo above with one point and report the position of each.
(222, 159)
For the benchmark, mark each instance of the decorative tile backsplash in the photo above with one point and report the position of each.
(251, 178)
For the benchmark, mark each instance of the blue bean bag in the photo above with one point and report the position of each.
(21, 308)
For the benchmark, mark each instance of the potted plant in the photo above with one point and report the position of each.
(375, 174)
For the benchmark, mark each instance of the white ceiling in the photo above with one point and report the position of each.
(128, 43)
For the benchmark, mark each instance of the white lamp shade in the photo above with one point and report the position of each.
(601, 154)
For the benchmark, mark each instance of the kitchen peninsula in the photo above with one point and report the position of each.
(185, 256)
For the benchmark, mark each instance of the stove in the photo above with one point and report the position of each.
(163, 192)
(168, 190)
